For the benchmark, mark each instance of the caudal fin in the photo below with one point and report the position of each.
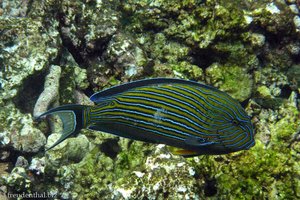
(71, 117)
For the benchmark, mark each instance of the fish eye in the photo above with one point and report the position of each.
(235, 122)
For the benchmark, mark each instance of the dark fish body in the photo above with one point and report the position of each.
(196, 118)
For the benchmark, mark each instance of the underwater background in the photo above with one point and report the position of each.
(55, 52)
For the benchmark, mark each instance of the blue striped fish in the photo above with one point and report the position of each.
(190, 117)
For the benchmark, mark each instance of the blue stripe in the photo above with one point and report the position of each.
(228, 100)
(174, 99)
(230, 135)
(150, 130)
(168, 112)
(187, 97)
(235, 138)
(148, 123)
(151, 117)
(221, 105)
(238, 142)
(170, 105)
(203, 99)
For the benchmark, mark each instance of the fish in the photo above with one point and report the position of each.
(190, 117)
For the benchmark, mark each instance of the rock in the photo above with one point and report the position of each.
(23, 57)
(18, 179)
(95, 25)
(4, 154)
(4, 169)
(125, 56)
(264, 92)
(294, 9)
(15, 8)
(73, 77)
(72, 150)
(158, 180)
(184, 70)
(50, 93)
(293, 74)
(37, 165)
(257, 40)
(294, 49)
(297, 21)
(272, 8)
(21, 162)
(23, 52)
(3, 192)
(225, 78)
(168, 51)
(18, 132)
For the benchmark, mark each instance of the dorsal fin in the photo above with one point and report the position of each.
(103, 95)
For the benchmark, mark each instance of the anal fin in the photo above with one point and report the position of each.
(183, 152)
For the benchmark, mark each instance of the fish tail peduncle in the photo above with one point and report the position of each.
(73, 118)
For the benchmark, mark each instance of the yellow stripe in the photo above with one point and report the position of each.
(146, 119)
(133, 94)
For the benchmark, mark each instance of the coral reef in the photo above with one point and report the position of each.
(60, 52)
(164, 176)
(22, 56)
(225, 77)
(17, 131)
(96, 23)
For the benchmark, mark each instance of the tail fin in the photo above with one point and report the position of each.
(71, 117)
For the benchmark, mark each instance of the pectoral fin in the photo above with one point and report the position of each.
(197, 141)
(94, 128)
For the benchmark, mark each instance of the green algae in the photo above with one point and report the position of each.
(89, 178)
(168, 51)
(67, 85)
(183, 70)
(19, 180)
(187, 70)
(94, 174)
(236, 53)
(17, 131)
(162, 176)
(72, 78)
(264, 92)
(23, 52)
(226, 79)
